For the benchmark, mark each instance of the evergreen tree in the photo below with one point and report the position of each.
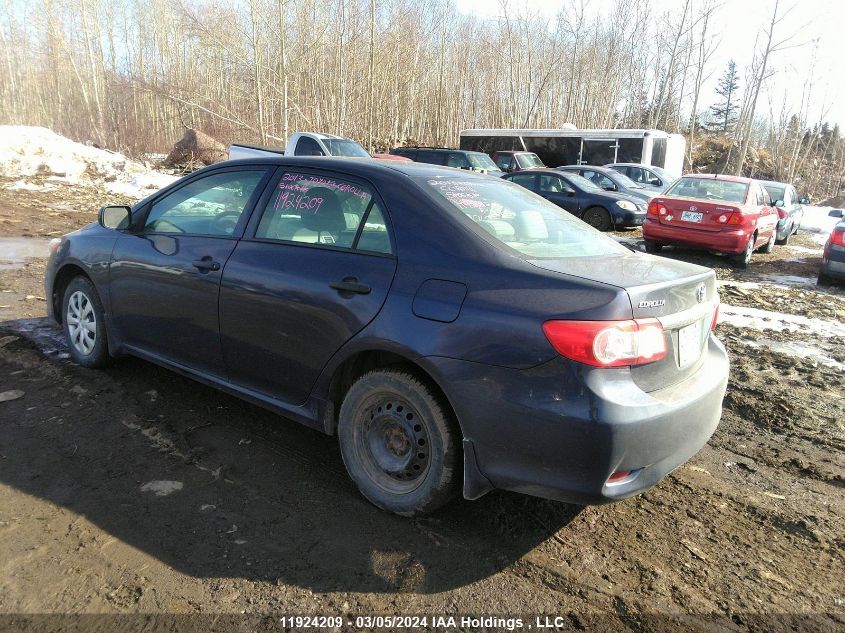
(723, 115)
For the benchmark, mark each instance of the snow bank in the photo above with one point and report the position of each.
(36, 151)
(757, 319)
(817, 220)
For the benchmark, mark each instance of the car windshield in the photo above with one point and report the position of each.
(709, 189)
(775, 191)
(482, 161)
(345, 147)
(665, 175)
(519, 219)
(529, 161)
(582, 183)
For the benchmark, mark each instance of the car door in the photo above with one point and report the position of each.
(768, 218)
(164, 276)
(312, 270)
(554, 189)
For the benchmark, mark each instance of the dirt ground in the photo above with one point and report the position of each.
(134, 490)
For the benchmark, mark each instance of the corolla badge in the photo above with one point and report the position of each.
(701, 293)
(655, 303)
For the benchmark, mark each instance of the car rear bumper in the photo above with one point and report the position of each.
(561, 429)
(721, 241)
(833, 263)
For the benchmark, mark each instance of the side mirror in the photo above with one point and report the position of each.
(610, 188)
(569, 191)
(656, 182)
(804, 200)
(779, 203)
(835, 213)
(115, 217)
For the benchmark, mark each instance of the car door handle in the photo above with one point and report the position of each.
(205, 264)
(350, 284)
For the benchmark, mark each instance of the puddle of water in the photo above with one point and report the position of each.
(790, 280)
(14, 251)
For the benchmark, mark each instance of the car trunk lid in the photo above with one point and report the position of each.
(691, 213)
(681, 296)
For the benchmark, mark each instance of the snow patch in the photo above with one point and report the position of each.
(757, 319)
(817, 220)
(800, 350)
(27, 151)
(162, 488)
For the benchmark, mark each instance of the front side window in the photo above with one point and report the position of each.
(208, 206)
(600, 180)
(550, 184)
(709, 189)
(312, 209)
(638, 175)
(582, 183)
(520, 220)
(457, 160)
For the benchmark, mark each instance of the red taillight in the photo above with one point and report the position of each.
(608, 343)
(781, 213)
(715, 319)
(837, 238)
(655, 209)
(736, 218)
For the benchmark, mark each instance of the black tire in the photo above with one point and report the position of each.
(785, 240)
(399, 443)
(741, 260)
(653, 247)
(87, 342)
(823, 280)
(770, 245)
(598, 218)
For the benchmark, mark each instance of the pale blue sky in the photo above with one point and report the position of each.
(818, 23)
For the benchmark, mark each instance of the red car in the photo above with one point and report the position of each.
(724, 214)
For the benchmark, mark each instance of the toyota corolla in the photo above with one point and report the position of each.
(457, 332)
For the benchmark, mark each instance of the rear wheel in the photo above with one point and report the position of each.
(399, 443)
(785, 240)
(653, 247)
(598, 218)
(84, 324)
(742, 259)
(770, 245)
(823, 280)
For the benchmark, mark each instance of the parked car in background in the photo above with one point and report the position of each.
(302, 144)
(650, 177)
(457, 158)
(603, 210)
(454, 330)
(833, 258)
(789, 207)
(382, 156)
(517, 161)
(611, 180)
(724, 214)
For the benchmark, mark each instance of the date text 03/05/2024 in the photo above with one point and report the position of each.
(411, 622)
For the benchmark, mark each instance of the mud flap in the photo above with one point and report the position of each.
(475, 484)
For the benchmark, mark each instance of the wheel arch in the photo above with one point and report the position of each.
(61, 279)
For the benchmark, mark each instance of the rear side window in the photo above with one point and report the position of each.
(550, 184)
(312, 209)
(524, 180)
(520, 220)
(431, 156)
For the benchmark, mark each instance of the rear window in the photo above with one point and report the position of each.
(519, 219)
(709, 189)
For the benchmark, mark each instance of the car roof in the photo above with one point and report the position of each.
(726, 177)
(590, 167)
(363, 167)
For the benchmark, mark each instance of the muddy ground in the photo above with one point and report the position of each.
(133, 490)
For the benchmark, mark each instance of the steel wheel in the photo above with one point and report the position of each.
(598, 218)
(396, 445)
(81, 322)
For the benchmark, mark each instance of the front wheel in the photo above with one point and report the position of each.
(598, 218)
(84, 324)
(399, 443)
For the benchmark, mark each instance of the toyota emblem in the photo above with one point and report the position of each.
(701, 293)
(693, 208)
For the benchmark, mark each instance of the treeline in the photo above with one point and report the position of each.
(131, 74)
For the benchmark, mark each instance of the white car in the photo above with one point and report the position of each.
(303, 144)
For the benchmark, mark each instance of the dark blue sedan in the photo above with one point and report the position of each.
(603, 210)
(456, 331)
